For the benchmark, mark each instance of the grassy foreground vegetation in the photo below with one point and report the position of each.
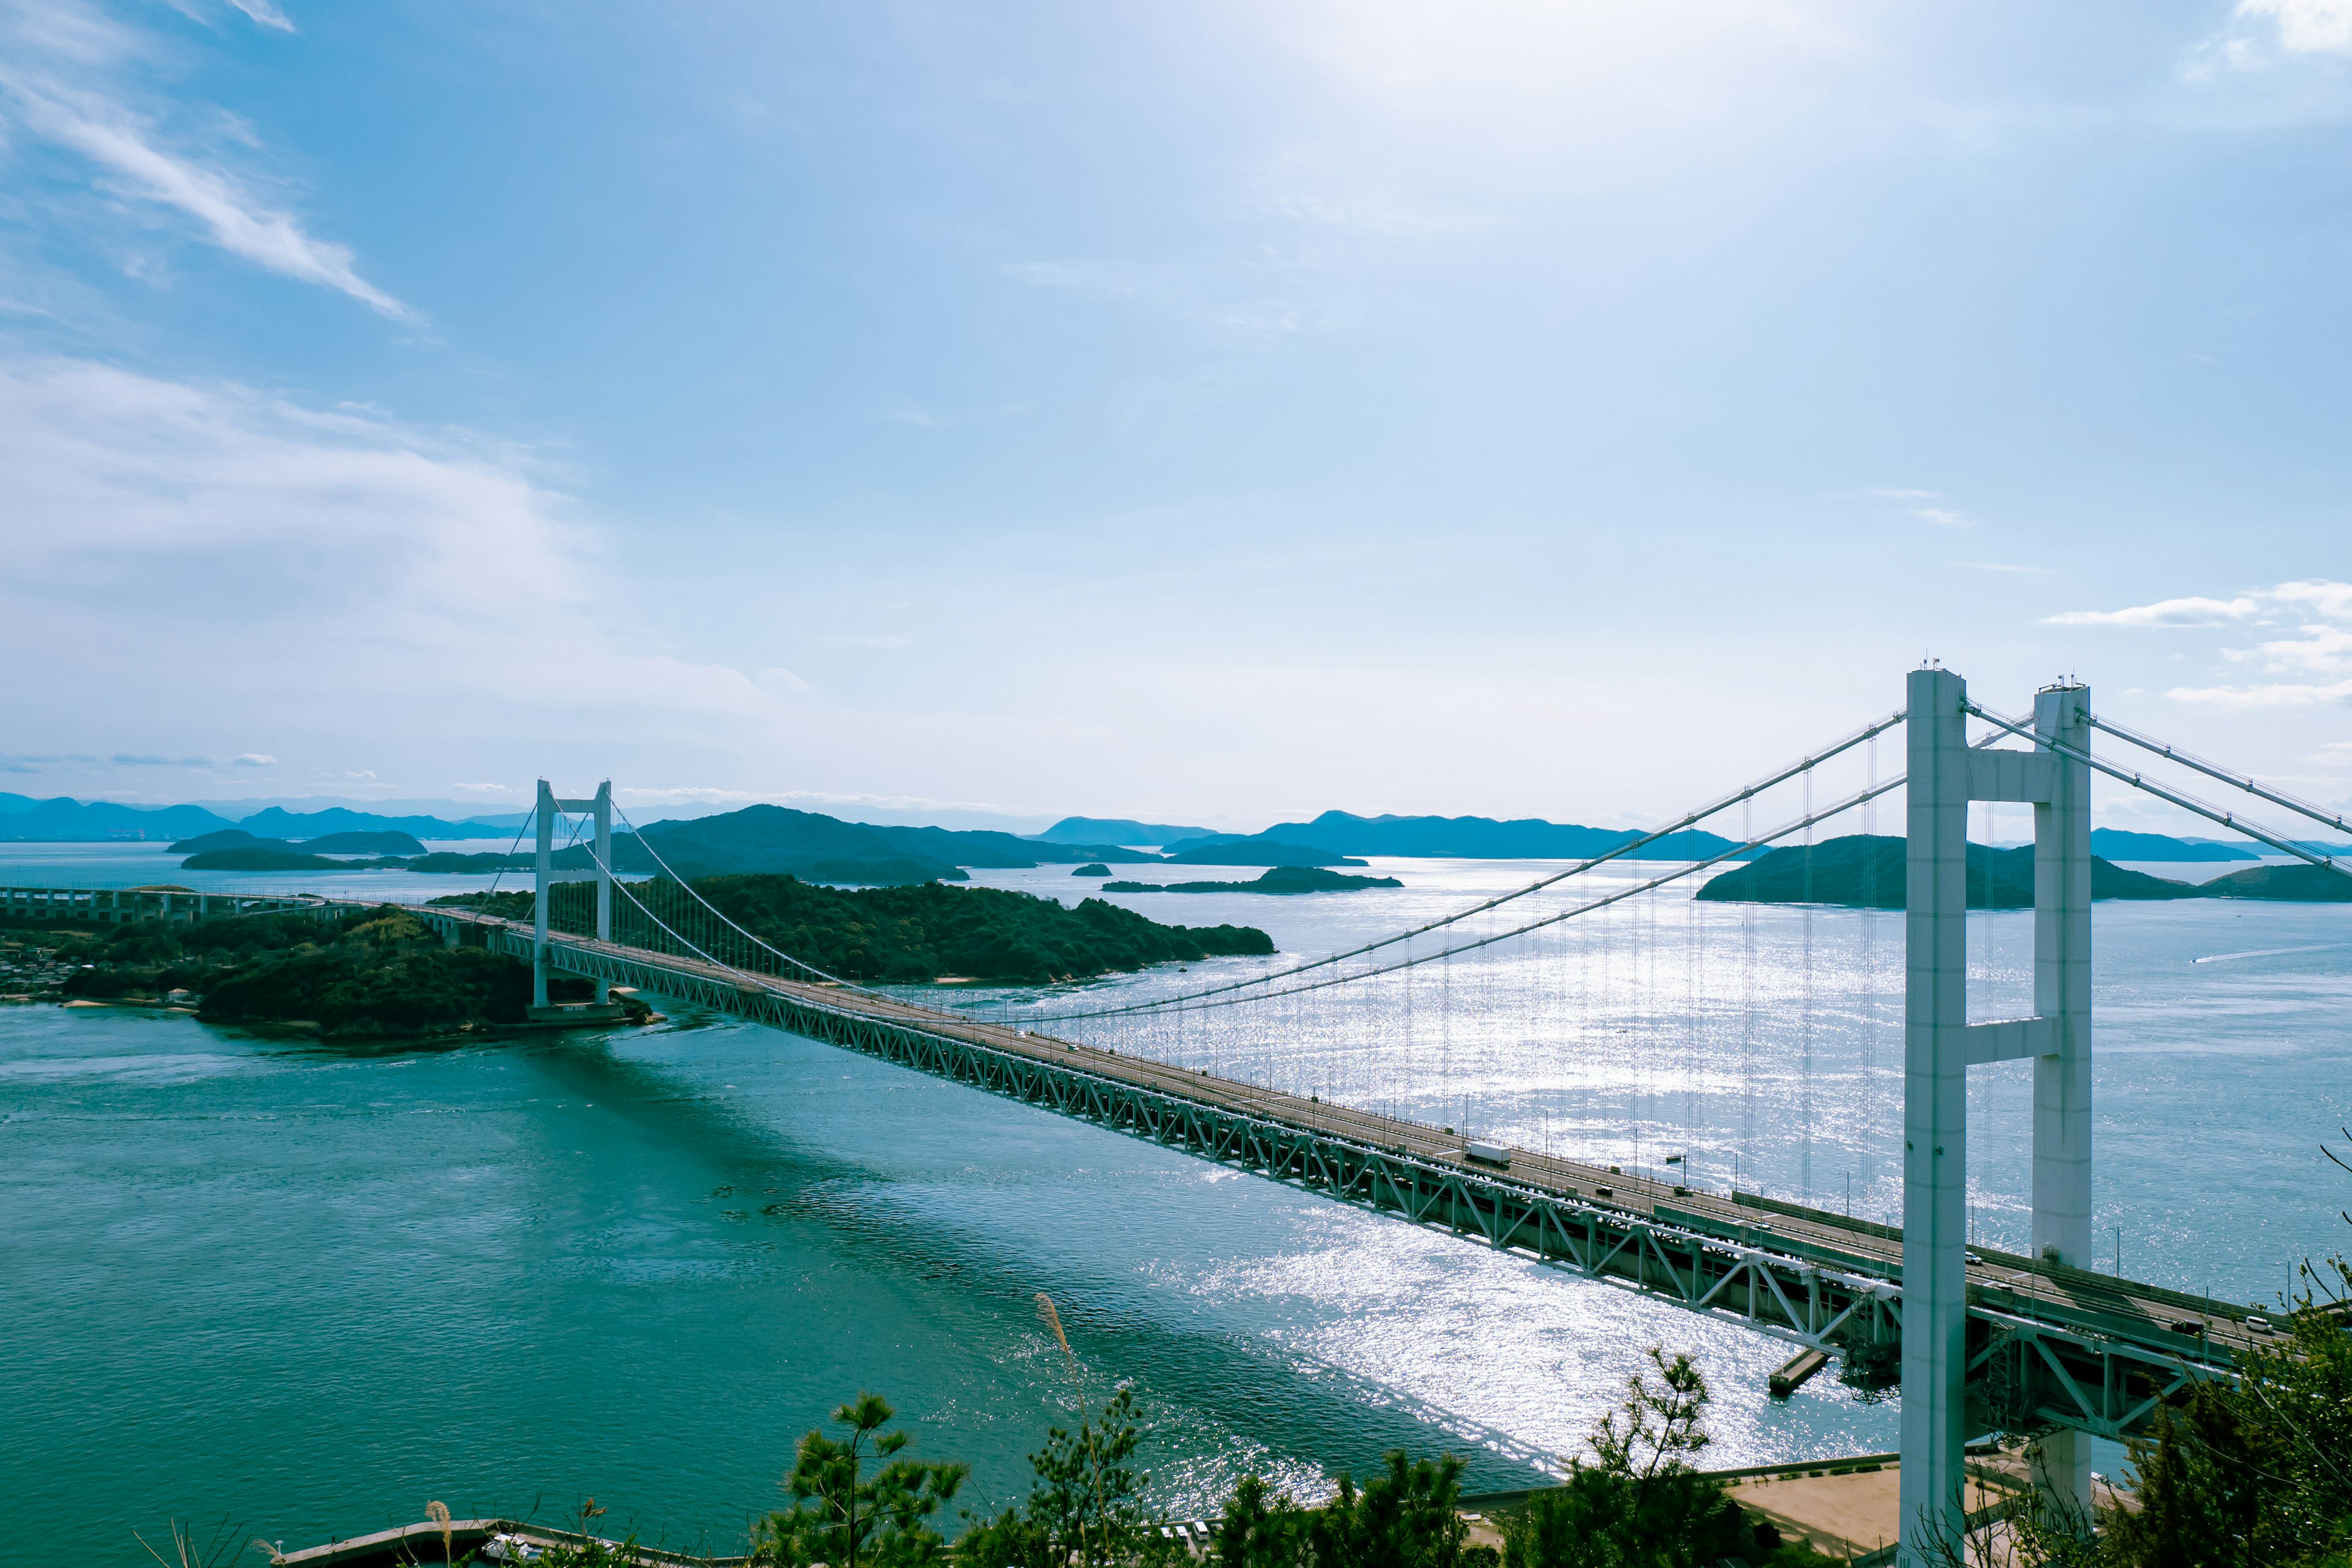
(857, 1499)
(372, 973)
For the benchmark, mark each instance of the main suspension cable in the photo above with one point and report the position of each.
(2215, 771)
(2190, 803)
(1735, 852)
(624, 889)
(647, 844)
(1747, 793)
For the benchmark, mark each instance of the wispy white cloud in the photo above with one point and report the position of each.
(253, 759)
(2190, 612)
(237, 220)
(71, 75)
(2282, 695)
(2263, 39)
(2321, 653)
(1909, 502)
(2305, 26)
(262, 13)
(347, 573)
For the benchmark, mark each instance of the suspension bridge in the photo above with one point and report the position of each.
(1977, 1339)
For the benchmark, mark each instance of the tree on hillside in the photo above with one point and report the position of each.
(841, 1516)
(1639, 1504)
(1408, 1516)
(1086, 1507)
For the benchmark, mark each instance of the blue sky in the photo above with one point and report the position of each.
(1207, 414)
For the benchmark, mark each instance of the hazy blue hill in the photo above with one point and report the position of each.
(277, 822)
(993, 850)
(1479, 838)
(450, 861)
(2294, 884)
(227, 838)
(67, 821)
(331, 844)
(2116, 844)
(11, 804)
(1280, 880)
(819, 848)
(251, 857)
(1117, 830)
(1256, 851)
(772, 839)
(1868, 870)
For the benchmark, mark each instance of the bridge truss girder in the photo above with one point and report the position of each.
(2024, 1373)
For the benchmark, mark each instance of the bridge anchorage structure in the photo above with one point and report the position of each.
(1978, 1340)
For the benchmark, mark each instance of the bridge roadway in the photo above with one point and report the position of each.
(2049, 1346)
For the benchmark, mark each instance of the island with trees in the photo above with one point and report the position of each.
(1257, 851)
(923, 932)
(373, 973)
(1868, 870)
(1280, 880)
(357, 843)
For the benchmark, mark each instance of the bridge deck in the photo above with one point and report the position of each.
(2050, 1345)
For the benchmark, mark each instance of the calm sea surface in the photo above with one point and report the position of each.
(301, 1291)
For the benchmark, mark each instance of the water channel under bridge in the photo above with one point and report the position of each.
(2050, 1345)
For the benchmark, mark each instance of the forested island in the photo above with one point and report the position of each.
(380, 974)
(1868, 870)
(819, 848)
(911, 935)
(385, 843)
(1280, 880)
(1257, 851)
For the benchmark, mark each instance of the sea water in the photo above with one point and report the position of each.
(291, 1290)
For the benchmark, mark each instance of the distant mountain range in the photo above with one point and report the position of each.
(67, 821)
(1254, 850)
(2116, 843)
(63, 821)
(382, 843)
(1118, 830)
(1465, 837)
(819, 848)
(827, 849)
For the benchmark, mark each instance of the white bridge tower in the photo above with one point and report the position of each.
(1939, 1045)
(548, 807)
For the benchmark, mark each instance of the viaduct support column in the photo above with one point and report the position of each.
(1935, 1115)
(2061, 1081)
(543, 881)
